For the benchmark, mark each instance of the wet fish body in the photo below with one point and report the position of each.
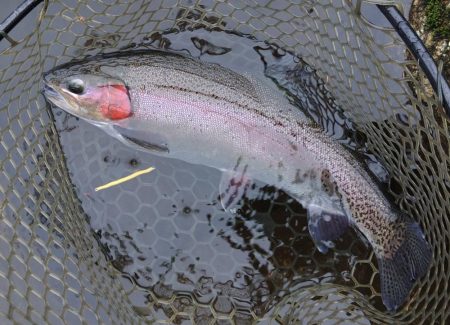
(206, 114)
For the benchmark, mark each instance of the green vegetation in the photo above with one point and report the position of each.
(437, 17)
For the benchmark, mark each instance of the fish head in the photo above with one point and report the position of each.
(96, 98)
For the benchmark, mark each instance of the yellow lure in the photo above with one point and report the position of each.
(124, 179)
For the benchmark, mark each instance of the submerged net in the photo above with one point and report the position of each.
(54, 268)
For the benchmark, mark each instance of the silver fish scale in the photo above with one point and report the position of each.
(211, 80)
(209, 71)
(363, 201)
(187, 79)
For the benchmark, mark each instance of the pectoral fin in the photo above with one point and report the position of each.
(146, 144)
(326, 225)
(140, 140)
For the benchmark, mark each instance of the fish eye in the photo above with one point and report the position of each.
(76, 86)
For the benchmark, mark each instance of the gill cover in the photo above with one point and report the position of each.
(92, 97)
(115, 102)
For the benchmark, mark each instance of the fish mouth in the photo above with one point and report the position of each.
(50, 91)
(54, 97)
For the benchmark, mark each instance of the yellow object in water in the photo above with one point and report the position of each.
(124, 179)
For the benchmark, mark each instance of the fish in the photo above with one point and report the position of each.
(202, 113)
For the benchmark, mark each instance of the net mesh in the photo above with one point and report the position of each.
(53, 268)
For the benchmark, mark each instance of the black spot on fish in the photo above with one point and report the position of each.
(293, 146)
(278, 123)
(327, 183)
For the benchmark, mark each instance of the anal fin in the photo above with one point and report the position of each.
(326, 225)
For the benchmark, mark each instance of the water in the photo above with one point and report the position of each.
(167, 232)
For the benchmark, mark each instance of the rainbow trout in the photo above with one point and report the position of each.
(206, 114)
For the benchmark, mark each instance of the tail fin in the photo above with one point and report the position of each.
(410, 262)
